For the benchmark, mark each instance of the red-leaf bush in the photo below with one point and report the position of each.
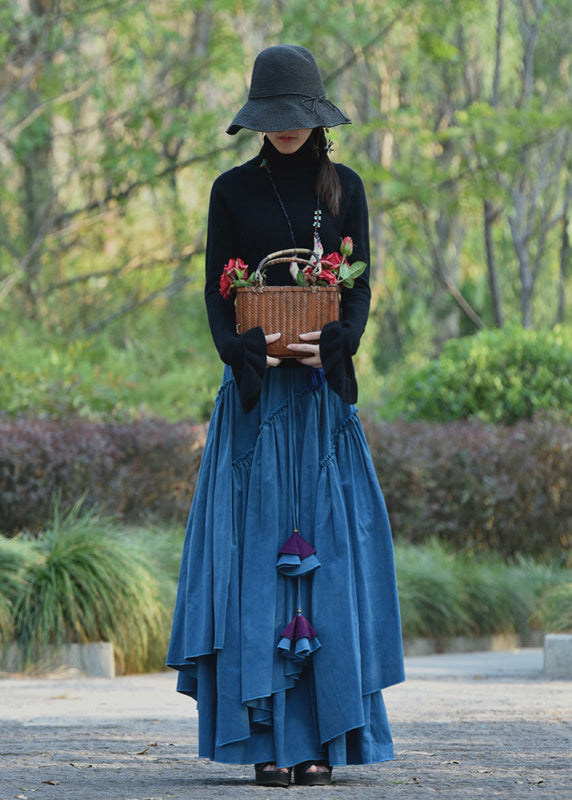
(476, 486)
(131, 471)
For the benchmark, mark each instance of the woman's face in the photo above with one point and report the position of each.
(287, 142)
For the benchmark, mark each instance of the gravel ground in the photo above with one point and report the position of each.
(465, 726)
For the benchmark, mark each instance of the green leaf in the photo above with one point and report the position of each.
(351, 271)
(344, 270)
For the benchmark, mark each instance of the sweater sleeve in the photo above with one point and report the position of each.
(245, 354)
(340, 340)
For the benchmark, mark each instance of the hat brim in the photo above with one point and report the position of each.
(287, 113)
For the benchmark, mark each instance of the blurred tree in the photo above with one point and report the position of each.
(111, 131)
(103, 108)
(479, 126)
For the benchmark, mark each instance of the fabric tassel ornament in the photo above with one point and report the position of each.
(298, 640)
(297, 557)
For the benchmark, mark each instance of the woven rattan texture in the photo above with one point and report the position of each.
(290, 310)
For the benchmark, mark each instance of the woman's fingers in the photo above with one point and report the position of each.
(304, 349)
(307, 351)
(312, 336)
(307, 354)
(270, 360)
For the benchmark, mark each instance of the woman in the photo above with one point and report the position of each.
(286, 626)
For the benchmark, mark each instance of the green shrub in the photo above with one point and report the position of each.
(503, 597)
(495, 376)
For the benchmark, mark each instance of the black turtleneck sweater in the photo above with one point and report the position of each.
(246, 221)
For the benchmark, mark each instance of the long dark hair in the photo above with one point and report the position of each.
(328, 186)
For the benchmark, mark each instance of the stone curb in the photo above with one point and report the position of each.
(423, 646)
(558, 655)
(96, 660)
(92, 660)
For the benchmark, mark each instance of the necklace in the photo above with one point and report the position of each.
(317, 221)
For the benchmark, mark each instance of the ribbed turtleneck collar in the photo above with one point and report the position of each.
(303, 157)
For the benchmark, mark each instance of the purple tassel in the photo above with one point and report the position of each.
(297, 557)
(298, 640)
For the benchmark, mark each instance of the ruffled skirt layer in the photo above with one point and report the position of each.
(300, 461)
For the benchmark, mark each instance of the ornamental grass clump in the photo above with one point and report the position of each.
(502, 597)
(430, 592)
(555, 612)
(16, 557)
(443, 593)
(88, 584)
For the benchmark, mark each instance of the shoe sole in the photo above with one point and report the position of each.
(314, 779)
(272, 779)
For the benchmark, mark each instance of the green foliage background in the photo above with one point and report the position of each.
(496, 376)
(112, 121)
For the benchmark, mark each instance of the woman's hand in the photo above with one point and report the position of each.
(306, 351)
(270, 360)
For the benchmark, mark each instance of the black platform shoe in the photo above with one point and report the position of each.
(271, 777)
(304, 778)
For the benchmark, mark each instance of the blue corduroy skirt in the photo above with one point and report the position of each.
(287, 639)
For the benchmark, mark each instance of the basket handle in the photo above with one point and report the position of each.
(286, 256)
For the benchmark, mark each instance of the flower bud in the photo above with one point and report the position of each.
(347, 246)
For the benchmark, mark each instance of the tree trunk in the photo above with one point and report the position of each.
(489, 213)
(565, 257)
(489, 216)
(521, 192)
(518, 229)
(34, 154)
(528, 18)
(369, 100)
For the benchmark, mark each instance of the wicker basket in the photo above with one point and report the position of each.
(289, 310)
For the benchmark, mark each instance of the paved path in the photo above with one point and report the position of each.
(479, 725)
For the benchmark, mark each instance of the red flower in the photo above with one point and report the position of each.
(236, 266)
(234, 270)
(328, 276)
(333, 261)
(225, 284)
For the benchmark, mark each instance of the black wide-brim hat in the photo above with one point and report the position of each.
(286, 93)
